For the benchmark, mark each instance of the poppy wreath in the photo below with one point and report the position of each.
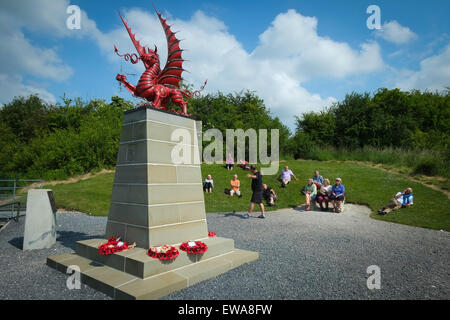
(164, 252)
(114, 245)
(199, 247)
(212, 234)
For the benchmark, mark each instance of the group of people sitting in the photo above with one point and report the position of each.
(317, 190)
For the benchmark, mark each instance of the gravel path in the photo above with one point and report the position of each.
(303, 255)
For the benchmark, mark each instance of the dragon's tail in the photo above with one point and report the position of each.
(188, 94)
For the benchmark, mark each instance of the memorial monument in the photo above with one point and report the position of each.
(156, 203)
(40, 220)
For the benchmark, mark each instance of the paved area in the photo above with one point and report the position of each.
(303, 255)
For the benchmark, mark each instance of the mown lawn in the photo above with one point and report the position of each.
(364, 185)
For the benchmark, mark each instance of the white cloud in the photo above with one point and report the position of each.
(12, 85)
(20, 57)
(394, 32)
(434, 73)
(289, 53)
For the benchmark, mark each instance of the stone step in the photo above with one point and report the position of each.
(122, 285)
(136, 261)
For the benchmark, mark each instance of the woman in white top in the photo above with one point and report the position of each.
(324, 194)
(208, 185)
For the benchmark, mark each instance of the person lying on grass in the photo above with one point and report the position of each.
(269, 195)
(244, 164)
(337, 195)
(208, 185)
(285, 176)
(235, 185)
(310, 193)
(401, 200)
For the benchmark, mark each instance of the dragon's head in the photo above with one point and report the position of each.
(150, 57)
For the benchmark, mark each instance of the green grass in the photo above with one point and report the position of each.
(90, 196)
(411, 162)
(364, 185)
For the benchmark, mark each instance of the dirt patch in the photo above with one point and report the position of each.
(425, 183)
(67, 181)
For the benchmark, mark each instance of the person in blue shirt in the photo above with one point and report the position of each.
(337, 195)
(318, 178)
(401, 200)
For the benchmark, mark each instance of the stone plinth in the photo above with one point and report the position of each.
(155, 201)
(40, 220)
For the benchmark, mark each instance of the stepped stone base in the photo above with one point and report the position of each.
(132, 274)
(155, 200)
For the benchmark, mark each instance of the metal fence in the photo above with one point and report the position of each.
(12, 201)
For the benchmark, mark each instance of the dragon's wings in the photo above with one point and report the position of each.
(140, 49)
(171, 74)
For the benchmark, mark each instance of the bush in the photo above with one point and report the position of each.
(428, 167)
(73, 139)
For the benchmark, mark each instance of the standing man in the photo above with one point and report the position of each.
(286, 175)
(257, 196)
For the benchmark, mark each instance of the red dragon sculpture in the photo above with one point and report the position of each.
(156, 86)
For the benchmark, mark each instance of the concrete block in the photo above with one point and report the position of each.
(140, 235)
(178, 233)
(192, 211)
(115, 229)
(143, 266)
(239, 257)
(105, 279)
(131, 214)
(164, 132)
(151, 288)
(204, 270)
(169, 118)
(189, 174)
(134, 116)
(162, 174)
(164, 194)
(132, 174)
(216, 246)
(133, 152)
(40, 220)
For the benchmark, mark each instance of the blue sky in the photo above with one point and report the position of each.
(297, 55)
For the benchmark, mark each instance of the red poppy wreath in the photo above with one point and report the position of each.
(194, 247)
(114, 245)
(164, 252)
(212, 234)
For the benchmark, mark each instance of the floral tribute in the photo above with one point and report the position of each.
(114, 245)
(194, 247)
(212, 234)
(164, 252)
